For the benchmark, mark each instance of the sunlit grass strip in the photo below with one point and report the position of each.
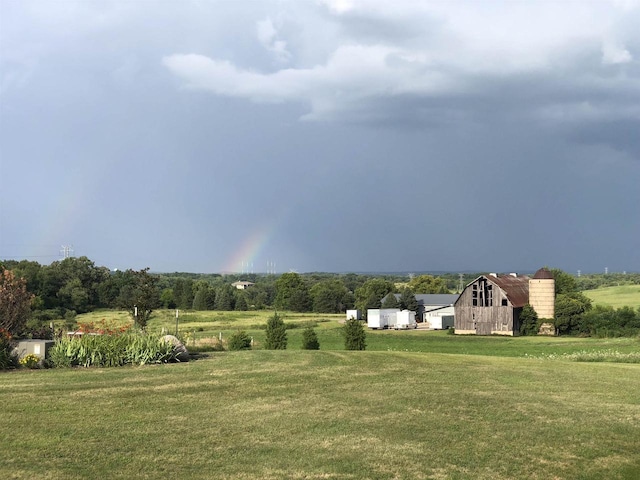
(111, 350)
(593, 356)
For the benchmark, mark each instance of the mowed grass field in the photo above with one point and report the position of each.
(620, 296)
(415, 405)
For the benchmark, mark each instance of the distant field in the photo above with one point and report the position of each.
(325, 415)
(620, 296)
(199, 328)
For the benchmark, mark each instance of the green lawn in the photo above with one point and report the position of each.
(325, 415)
(620, 296)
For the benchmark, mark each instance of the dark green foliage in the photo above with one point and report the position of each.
(166, 297)
(354, 335)
(140, 295)
(428, 284)
(390, 301)
(310, 339)
(371, 293)
(330, 296)
(605, 321)
(224, 298)
(564, 282)
(241, 302)
(200, 298)
(239, 341)
(276, 333)
(407, 300)
(528, 321)
(292, 293)
(570, 308)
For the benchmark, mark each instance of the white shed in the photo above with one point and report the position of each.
(379, 318)
(355, 314)
(405, 319)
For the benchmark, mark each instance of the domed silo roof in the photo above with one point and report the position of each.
(543, 274)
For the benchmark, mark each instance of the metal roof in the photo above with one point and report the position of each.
(516, 288)
(434, 299)
(543, 274)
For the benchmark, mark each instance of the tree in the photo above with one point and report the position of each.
(292, 293)
(390, 301)
(528, 321)
(428, 284)
(354, 335)
(371, 293)
(15, 302)
(224, 298)
(564, 282)
(166, 297)
(241, 301)
(329, 296)
(239, 341)
(140, 296)
(569, 310)
(310, 339)
(200, 298)
(276, 334)
(407, 300)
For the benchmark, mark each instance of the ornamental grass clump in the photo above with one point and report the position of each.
(111, 350)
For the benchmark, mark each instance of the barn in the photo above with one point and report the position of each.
(491, 305)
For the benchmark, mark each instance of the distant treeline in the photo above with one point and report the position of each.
(76, 285)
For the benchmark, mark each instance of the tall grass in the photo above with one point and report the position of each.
(111, 350)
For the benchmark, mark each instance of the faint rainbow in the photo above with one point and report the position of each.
(250, 250)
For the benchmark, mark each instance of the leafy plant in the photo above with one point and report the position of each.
(239, 341)
(354, 335)
(7, 358)
(310, 339)
(276, 333)
(31, 361)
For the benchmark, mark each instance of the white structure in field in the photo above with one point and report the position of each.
(355, 314)
(379, 318)
(405, 319)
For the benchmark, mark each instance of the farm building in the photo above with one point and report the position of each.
(491, 304)
(434, 306)
(242, 285)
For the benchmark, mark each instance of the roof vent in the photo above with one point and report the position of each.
(494, 275)
(513, 274)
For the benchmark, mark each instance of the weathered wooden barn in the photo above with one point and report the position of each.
(491, 305)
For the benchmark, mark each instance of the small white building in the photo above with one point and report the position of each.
(355, 314)
(405, 319)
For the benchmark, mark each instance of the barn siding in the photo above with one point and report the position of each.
(501, 318)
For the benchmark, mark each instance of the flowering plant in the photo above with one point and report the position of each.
(30, 361)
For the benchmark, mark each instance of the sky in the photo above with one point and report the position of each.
(321, 135)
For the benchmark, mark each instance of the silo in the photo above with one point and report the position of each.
(542, 295)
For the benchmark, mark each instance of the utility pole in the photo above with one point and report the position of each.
(66, 251)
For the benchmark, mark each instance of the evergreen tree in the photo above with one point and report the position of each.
(224, 298)
(292, 293)
(310, 339)
(408, 300)
(276, 333)
(390, 301)
(241, 302)
(354, 335)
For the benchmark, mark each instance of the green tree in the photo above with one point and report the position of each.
(428, 284)
(354, 335)
(310, 339)
(528, 321)
(329, 296)
(390, 301)
(371, 293)
(140, 295)
(407, 300)
(569, 311)
(224, 298)
(15, 302)
(166, 298)
(241, 301)
(564, 282)
(239, 341)
(292, 293)
(276, 333)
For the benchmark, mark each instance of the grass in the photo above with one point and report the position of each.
(325, 415)
(620, 296)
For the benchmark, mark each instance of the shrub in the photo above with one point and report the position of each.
(239, 341)
(354, 335)
(111, 350)
(7, 357)
(30, 361)
(310, 339)
(276, 333)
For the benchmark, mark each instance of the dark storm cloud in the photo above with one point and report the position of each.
(361, 135)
